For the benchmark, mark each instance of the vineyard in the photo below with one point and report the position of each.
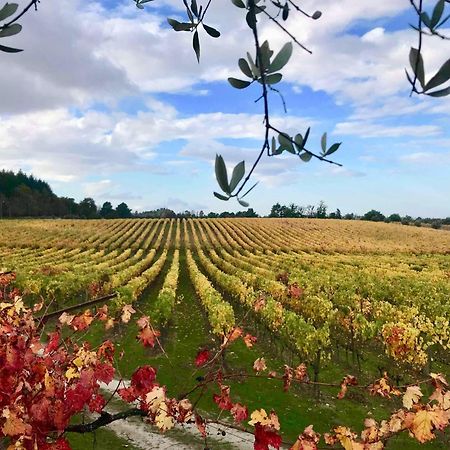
(340, 297)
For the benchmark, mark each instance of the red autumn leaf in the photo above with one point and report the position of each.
(240, 412)
(127, 311)
(143, 379)
(106, 351)
(102, 313)
(104, 372)
(147, 336)
(249, 340)
(301, 373)
(13, 360)
(96, 403)
(295, 291)
(287, 377)
(265, 437)
(202, 357)
(348, 380)
(143, 322)
(201, 425)
(53, 342)
(223, 400)
(127, 394)
(77, 397)
(82, 321)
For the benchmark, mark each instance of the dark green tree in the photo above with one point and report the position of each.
(88, 208)
(107, 211)
(374, 216)
(122, 211)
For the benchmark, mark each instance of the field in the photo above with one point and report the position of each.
(340, 296)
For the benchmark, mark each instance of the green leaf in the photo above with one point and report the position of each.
(196, 45)
(8, 10)
(416, 62)
(274, 78)
(255, 70)
(251, 20)
(3, 48)
(238, 174)
(426, 19)
(245, 68)
(180, 26)
(437, 13)
(244, 204)
(238, 3)
(285, 142)
(238, 84)
(442, 75)
(221, 197)
(441, 93)
(333, 148)
(265, 54)
(221, 174)
(211, 31)
(274, 145)
(317, 15)
(298, 141)
(11, 30)
(194, 8)
(285, 14)
(305, 157)
(323, 142)
(282, 58)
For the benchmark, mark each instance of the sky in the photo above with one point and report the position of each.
(107, 101)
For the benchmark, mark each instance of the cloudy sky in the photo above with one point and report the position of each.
(107, 101)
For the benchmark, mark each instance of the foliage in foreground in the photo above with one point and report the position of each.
(44, 385)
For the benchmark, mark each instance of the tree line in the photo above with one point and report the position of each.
(321, 212)
(23, 195)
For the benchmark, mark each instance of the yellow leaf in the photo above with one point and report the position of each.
(71, 373)
(422, 426)
(163, 421)
(412, 395)
(259, 416)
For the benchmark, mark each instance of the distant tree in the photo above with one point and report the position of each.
(275, 211)
(88, 208)
(407, 220)
(122, 211)
(321, 211)
(436, 224)
(446, 221)
(349, 216)
(373, 216)
(107, 211)
(310, 211)
(394, 218)
(249, 213)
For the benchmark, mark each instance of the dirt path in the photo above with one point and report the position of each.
(184, 437)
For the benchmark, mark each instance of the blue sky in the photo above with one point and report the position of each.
(107, 101)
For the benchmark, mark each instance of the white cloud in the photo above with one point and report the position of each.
(374, 130)
(426, 157)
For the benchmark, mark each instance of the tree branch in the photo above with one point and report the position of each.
(24, 11)
(104, 419)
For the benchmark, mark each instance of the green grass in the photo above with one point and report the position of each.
(188, 331)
